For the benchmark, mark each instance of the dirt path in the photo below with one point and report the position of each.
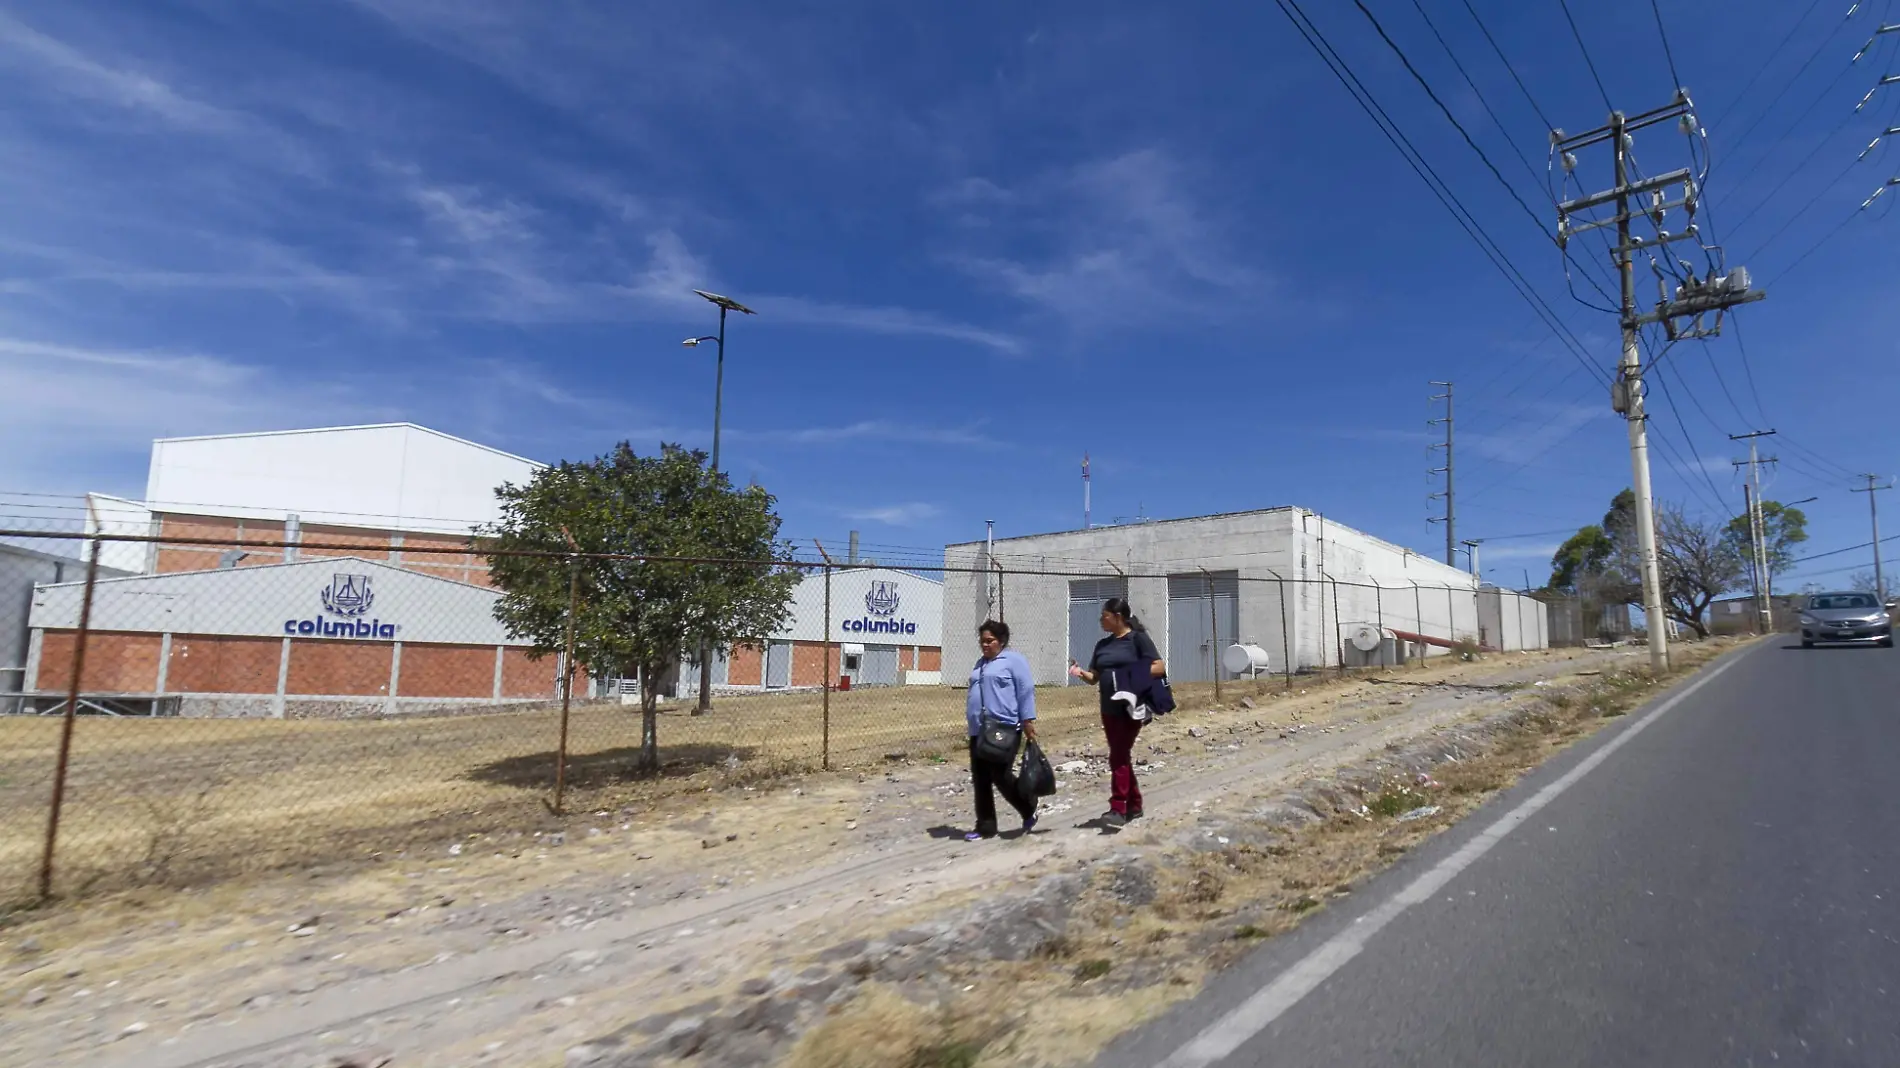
(512, 951)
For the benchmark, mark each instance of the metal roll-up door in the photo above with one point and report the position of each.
(778, 665)
(1085, 614)
(879, 666)
(1198, 633)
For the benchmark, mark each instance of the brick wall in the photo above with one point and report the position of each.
(115, 663)
(462, 566)
(346, 668)
(522, 677)
(226, 533)
(400, 549)
(204, 664)
(448, 671)
(808, 664)
(745, 666)
(128, 663)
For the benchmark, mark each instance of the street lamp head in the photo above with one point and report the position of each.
(694, 342)
(690, 342)
(725, 302)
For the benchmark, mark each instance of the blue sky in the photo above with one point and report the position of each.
(981, 240)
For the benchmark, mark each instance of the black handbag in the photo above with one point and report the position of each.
(996, 741)
(1038, 778)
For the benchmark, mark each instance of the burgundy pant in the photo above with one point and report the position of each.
(1124, 796)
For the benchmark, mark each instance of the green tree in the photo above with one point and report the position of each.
(1783, 528)
(637, 525)
(1593, 563)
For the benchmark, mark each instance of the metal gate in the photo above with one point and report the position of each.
(778, 665)
(879, 666)
(1085, 615)
(1203, 619)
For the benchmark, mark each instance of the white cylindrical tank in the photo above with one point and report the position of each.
(1244, 659)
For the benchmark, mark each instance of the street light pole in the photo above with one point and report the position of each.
(719, 387)
(725, 304)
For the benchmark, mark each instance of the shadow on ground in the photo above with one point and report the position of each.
(607, 767)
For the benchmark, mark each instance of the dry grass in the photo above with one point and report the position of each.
(191, 800)
(188, 801)
(880, 1029)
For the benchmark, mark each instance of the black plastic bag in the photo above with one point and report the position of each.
(1038, 779)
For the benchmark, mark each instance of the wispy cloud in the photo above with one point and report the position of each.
(96, 409)
(875, 430)
(80, 75)
(897, 515)
(883, 320)
(1491, 553)
(1127, 246)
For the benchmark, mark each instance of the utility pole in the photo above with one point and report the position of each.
(989, 568)
(1692, 299)
(1086, 523)
(1451, 512)
(1873, 512)
(1762, 615)
(1757, 526)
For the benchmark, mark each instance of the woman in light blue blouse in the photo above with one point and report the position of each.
(1000, 687)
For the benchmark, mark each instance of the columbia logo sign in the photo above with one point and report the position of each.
(349, 596)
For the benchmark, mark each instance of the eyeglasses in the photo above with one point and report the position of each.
(988, 639)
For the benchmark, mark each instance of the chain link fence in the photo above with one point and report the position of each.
(218, 705)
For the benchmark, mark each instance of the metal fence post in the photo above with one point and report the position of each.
(824, 754)
(66, 724)
(1286, 641)
(1339, 641)
(1213, 635)
(1378, 602)
(1451, 616)
(1418, 618)
(567, 685)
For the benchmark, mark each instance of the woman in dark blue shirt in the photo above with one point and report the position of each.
(1127, 649)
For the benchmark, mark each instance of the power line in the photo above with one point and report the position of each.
(1433, 181)
(1837, 552)
(1818, 49)
(1541, 117)
(1803, 164)
(1701, 466)
(1812, 249)
(1800, 166)
(1581, 47)
(1762, 67)
(1748, 368)
(1466, 134)
(1668, 54)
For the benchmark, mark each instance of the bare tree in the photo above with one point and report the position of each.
(1698, 562)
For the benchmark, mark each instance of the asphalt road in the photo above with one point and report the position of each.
(1715, 885)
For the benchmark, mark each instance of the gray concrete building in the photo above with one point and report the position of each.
(21, 569)
(1308, 591)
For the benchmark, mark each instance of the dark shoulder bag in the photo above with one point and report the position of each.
(996, 740)
(1161, 696)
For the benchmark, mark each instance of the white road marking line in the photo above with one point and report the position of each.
(1252, 1016)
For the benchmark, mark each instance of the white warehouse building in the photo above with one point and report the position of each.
(1306, 591)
